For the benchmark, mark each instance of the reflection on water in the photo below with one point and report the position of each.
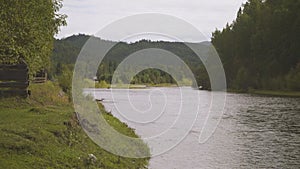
(255, 131)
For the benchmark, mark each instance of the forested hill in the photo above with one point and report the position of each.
(261, 48)
(67, 50)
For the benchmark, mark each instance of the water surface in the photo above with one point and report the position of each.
(254, 132)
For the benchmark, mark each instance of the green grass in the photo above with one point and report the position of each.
(133, 86)
(119, 86)
(42, 132)
(163, 85)
(276, 93)
(267, 92)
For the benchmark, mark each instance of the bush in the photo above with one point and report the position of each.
(65, 80)
(102, 84)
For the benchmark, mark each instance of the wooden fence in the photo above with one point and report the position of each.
(40, 77)
(14, 80)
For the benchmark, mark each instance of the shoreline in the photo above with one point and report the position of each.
(133, 86)
(46, 127)
(275, 93)
(271, 93)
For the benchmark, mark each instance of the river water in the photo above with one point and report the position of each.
(254, 131)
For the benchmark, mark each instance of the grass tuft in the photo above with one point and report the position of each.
(42, 131)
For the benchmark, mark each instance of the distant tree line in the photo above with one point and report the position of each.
(149, 76)
(261, 48)
(67, 50)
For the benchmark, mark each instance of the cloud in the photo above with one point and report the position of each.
(89, 16)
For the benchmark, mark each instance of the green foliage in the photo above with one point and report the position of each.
(102, 84)
(202, 78)
(275, 93)
(260, 49)
(43, 132)
(152, 76)
(89, 83)
(67, 50)
(293, 78)
(48, 93)
(27, 29)
(65, 79)
(242, 79)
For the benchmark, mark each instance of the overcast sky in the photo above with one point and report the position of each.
(90, 16)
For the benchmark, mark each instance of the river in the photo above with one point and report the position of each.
(254, 131)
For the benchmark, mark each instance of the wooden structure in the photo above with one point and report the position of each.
(40, 77)
(14, 80)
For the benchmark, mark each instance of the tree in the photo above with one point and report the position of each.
(27, 30)
(261, 46)
(293, 78)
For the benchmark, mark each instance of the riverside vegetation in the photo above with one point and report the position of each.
(42, 131)
(259, 51)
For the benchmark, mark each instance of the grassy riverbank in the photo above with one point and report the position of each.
(132, 86)
(43, 132)
(268, 92)
(275, 93)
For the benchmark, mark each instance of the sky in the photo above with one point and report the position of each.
(90, 16)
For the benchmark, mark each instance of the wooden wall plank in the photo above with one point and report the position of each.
(14, 84)
(13, 75)
(10, 93)
(18, 66)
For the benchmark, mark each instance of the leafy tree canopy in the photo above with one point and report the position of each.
(27, 29)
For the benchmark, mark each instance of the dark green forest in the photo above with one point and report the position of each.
(261, 48)
(67, 50)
